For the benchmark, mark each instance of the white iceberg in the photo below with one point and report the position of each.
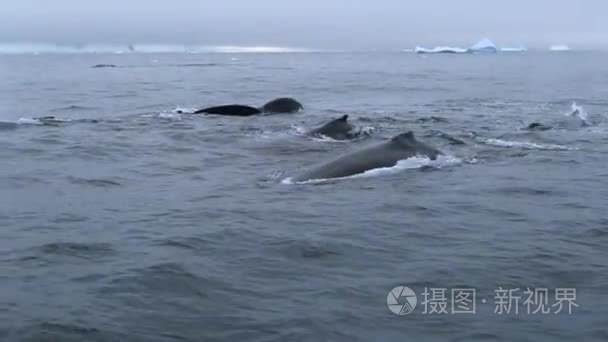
(513, 49)
(560, 47)
(485, 45)
(440, 49)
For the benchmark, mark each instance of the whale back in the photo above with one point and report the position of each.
(387, 154)
(407, 141)
(235, 110)
(338, 129)
(537, 126)
(282, 105)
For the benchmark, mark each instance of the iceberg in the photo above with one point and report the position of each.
(560, 47)
(483, 46)
(513, 49)
(440, 49)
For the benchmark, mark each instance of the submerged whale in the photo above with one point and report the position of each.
(338, 129)
(280, 105)
(386, 154)
(104, 66)
(537, 126)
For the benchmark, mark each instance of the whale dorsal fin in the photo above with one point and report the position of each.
(343, 118)
(404, 138)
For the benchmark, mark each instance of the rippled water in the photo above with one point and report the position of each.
(122, 220)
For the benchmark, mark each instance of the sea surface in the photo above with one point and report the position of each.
(124, 220)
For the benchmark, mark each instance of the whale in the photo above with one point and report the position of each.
(234, 109)
(282, 105)
(386, 154)
(338, 129)
(279, 105)
(104, 66)
(537, 126)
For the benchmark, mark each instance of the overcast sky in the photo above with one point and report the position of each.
(307, 23)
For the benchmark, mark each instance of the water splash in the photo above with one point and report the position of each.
(184, 110)
(578, 112)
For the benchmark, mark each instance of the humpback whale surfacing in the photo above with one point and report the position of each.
(280, 105)
(387, 154)
(236, 110)
(338, 129)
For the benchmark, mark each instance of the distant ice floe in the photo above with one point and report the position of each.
(440, 49)
(513, 49)
(483, 46)
(559, 47)
(38, 48)
(254, 49)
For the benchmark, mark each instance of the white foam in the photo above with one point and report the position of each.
(358, 132)
(184, 110)
(29, 121)
(526, 145)
(416, 162)
(170, 116)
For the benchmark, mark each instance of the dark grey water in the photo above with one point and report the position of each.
(124, 221)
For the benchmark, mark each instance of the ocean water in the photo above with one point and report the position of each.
(123, 220)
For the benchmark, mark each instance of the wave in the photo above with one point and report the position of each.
(43, 121)
(7, 125)
(170, 116)
(29, 121)
(526, 145)
(4, 125)
(40, 48)
(95, 182)
(417, 162)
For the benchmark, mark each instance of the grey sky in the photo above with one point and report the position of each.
(311, 23)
